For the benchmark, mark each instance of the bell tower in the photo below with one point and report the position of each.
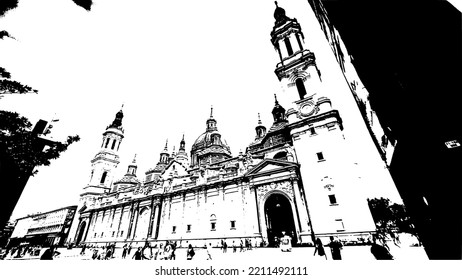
(339, 165)
(106, 159)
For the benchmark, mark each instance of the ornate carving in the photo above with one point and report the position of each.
(284, 186)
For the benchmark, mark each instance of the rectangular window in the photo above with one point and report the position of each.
(94, 235)
(173, 229)
(312, 131)
(233, 224)
(113, 233)
(213, 226)
(188, 228)
(332, 199)
(121, 233)
(320, 156)
(339, 225)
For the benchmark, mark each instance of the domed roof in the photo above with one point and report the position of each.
(128, 179)
(279, 14)
(206, 139)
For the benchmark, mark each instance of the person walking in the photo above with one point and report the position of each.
(124, 251)
(319, 248)
(50, 253)
(138, 254)
(209, 249)
(379, 251)
(225, 247)
(190, 252)
(335, 248)
(82, 252)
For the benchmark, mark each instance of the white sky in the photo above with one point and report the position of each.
(166, 61)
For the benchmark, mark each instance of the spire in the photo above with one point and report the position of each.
(260, 129)
(117, 123)
(132, 167)
(211, 122)
(182, 144)
(278, 111)
(166, 144)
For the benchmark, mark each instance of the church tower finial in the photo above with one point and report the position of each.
(211, 122)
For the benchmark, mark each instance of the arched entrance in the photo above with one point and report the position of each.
(279, 218)
(81, 231)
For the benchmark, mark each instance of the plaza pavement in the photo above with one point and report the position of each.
(349, 253)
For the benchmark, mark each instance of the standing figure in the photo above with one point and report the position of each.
(138, 254)
(319, 248)
(335, 247)
(209, 249)
(190, 252)
(82, 252)
(49, 253)
(124, 251)
(225, 247)
(380, 252)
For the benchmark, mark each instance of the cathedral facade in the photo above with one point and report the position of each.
(308, 175)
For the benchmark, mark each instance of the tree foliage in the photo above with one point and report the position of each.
(6, 5)
(9, 86)
(389, 217)
(18, 141)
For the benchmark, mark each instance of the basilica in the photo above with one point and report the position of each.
(308, 175)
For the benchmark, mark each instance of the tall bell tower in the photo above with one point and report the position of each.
(339, 164)
(106, 160)
(103, 167)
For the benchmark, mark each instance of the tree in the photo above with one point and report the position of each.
(8, 86)
(389, 217)
(21, 151)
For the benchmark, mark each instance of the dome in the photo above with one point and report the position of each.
(128, 179)
(279, 14)
(210, 138)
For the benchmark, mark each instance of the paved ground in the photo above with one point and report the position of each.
(349, 253)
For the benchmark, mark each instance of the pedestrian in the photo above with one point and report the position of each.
(190, 252)
(95, 254)
(49, 253)
(124, 251)
(129, 249)
(379, 251)
(209, 249)
(138, 254)
(234, 247)
(173, 255)
(82, 252)
(319, 248)
(241, 246)
(335, 247)
(225, 247)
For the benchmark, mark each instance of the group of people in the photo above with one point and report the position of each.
(244, 245)
(379, 248)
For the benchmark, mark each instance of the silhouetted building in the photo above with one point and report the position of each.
(408, 55)
(43, 229)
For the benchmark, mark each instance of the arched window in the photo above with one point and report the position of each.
(103, 178)
(300, 87)
(113, 144)
(107, 143)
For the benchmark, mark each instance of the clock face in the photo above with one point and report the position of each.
(307, 109)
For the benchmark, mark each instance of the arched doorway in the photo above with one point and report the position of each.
(81, 231)
(279, 218)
